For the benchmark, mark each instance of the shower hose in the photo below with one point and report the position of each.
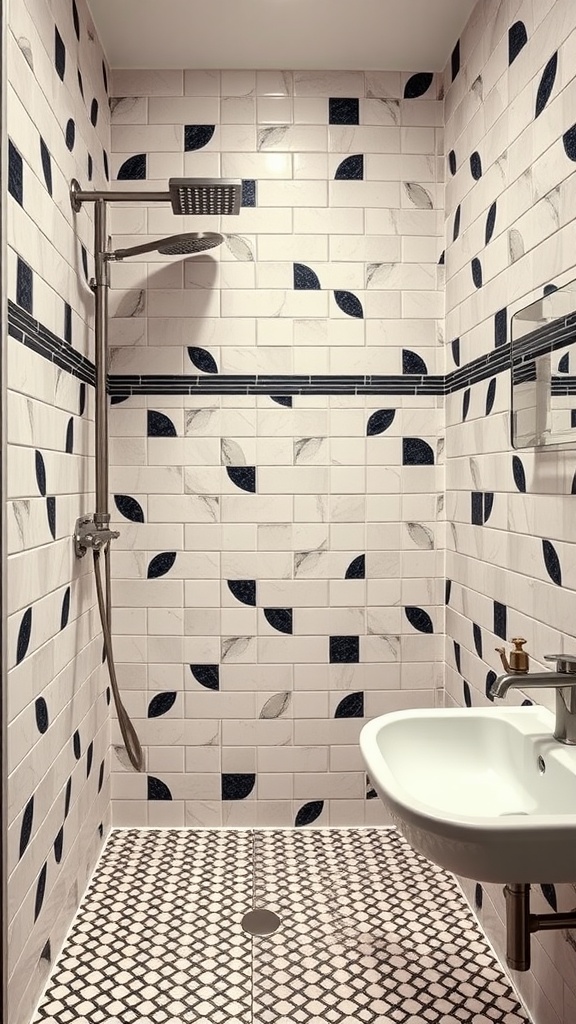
(129, 735)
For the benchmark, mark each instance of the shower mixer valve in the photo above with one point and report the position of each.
(92, 533)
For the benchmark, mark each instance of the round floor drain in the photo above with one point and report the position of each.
(260, 922)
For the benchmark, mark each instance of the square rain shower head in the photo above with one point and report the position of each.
(205, 195)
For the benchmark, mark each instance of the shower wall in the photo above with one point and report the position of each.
(510, 231)
(58, 737)
(276, 466)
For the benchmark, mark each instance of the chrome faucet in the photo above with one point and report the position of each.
(563, 680)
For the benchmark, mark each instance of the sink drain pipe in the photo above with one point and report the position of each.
(520, 924)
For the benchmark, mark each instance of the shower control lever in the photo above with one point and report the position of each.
(88, 535)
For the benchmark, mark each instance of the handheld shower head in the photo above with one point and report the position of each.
(185, 244)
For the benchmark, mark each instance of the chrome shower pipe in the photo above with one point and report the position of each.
(100, 289)
(78, 196)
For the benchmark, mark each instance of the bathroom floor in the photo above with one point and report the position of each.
(370, 934)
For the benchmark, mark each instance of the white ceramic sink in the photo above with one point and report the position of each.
(467, 790)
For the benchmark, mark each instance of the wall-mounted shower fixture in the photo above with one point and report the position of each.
(190, 196)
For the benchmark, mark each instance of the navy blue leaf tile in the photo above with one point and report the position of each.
(160, 425)
(475, 165)
(40, 891)
(82, 399)
(455, 345)
(117, 399)
(161, 703)
(351, 706)
(419, 619)
(202, 360)
(465, 404)
(70, 134)
(197, 135)
(129, 507)
(569, 140)
(207, 675)
(490, 222)
(59, 55)
(478, 892)
(549, 894)
(41, 715)
(456, 228)
(108, 695)
(412, 362)
(15, 173)
(442, 258)
(517, 39)
(84, 256)
(94, 112)
(243, 590)
(308, 813)
(357, 568)
(518, 473)
(343, 111)
(158, 790)
(89, 759)
(455, 60)
(24, 285)
(101, 830)
(280, 619)
(447, 591)
(344, 649)
(564, 364)
(349, 303)
(59, 845)
(133, 169)
(160, 564)
(68, 323)
(476, 268)
(237, 785)
(351, 168)
(488, 503)
(76, 19)
(552, 562)
(548, 289)
(46, 953)
(490, 396)
(243, 476)
(77, 745)
(304, 278)
(282, 400)
(81, 87)
(457, 655)
(104, 76)
(477, 508)
(379, 421)
(46, 164)
(101, 779)
(26, 825)
(67, 797)
(500, 619)
(417, 85)
(69, 443)
(89, 167)
(477, 634)
(501, 327)
(51, 514)
(24, 636)
(248, 192)
(452, 161)
(106, 165)
(40, 473)
(416, 452)
(490, 680)
(65, 612)
(466, 694)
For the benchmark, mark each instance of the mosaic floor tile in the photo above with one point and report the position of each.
(370, 933)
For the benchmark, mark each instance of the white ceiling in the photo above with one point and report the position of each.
(391, 35)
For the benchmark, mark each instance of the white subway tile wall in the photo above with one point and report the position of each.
(58, 729)
(279, 574)
(509, 181)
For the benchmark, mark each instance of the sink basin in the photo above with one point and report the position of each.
(487, 793)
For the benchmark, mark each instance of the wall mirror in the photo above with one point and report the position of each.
(543, 356)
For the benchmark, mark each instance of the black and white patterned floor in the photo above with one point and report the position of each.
(370, 934)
